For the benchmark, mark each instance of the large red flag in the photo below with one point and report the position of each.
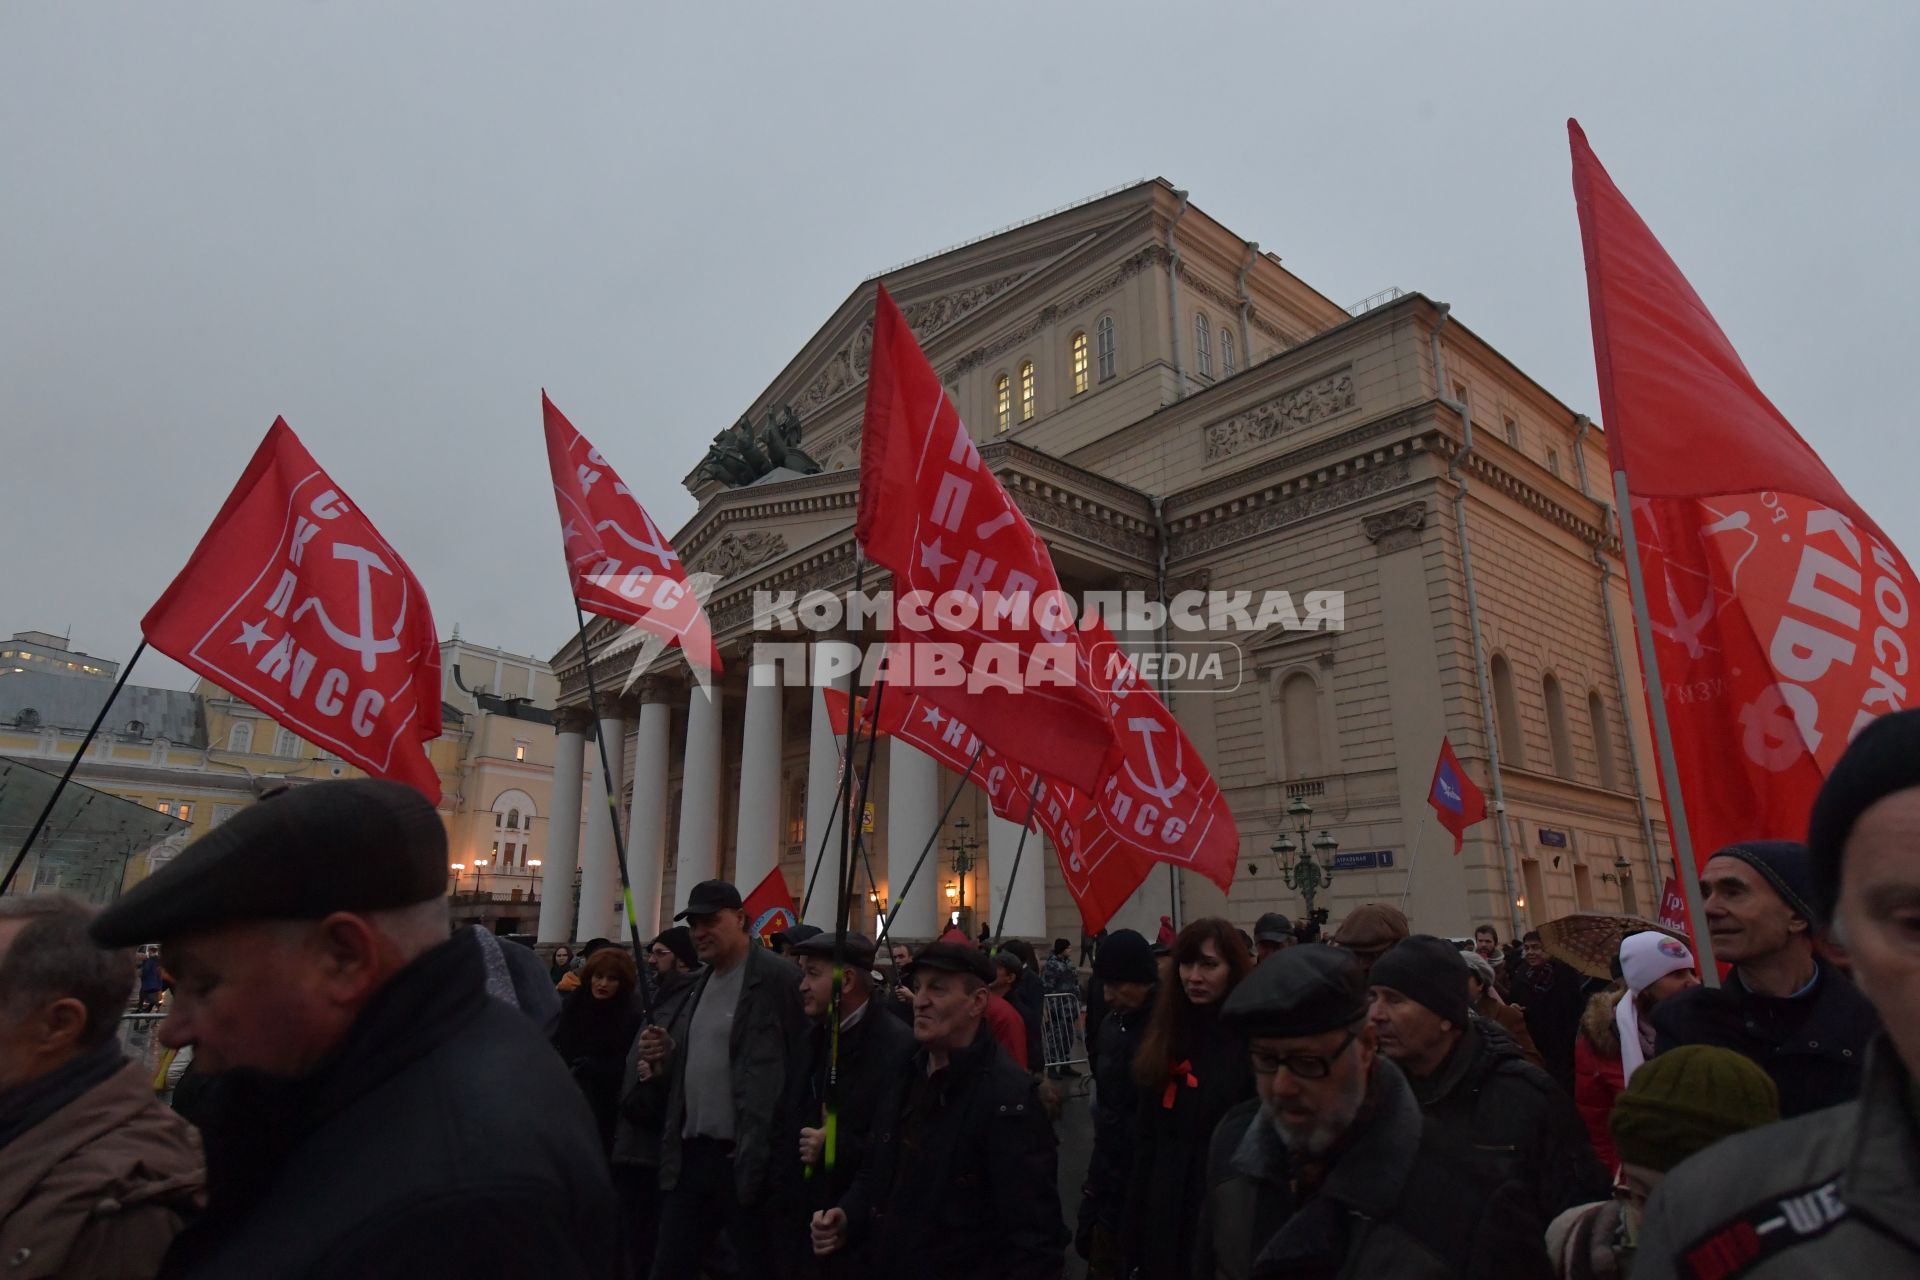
(1780, 614)
(622, 566)
(937, 518)
(295, 602)
(769, 908)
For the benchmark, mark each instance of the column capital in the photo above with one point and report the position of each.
(572, 719)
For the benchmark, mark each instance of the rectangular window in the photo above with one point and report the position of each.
(164, 806)
(183, 811)
(1107, 347)
(1081, 378)
(1553, 461)
(1513, 433)
(519, 750)
(1003, 399)
(1027, 392)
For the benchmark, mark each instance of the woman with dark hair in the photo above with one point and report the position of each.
(562, 963)
(597, 1025)
(1191, 1070)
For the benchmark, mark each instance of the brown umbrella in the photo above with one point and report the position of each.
(1590, 941)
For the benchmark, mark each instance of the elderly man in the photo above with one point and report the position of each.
(1834, 1193)
(1327, 1171)
(354, 1124)
(1271, 933)
(1510, 1123)
(724, 1065)
(968, 1184)
(96, 1176)
(1784, 1006)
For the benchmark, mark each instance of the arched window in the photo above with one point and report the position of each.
(1202, 345)
(1226, 354)
(1082, 374)
(513, 819)
(240, 737)
(1506, 713)
(1026, 391)
(1300, 726)
(1106, 352)
(1003, 400)
(1557, 726)
(1602, 740)
(286, 743)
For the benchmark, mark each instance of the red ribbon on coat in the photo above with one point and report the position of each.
(1178, 1074)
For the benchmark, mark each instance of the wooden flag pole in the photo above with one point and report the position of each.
(1663, 737)
(72, 764)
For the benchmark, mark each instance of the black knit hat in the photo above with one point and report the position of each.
(1883, 759)
(1428, 971)
(356, 845)
(1125, 957)
(1784, 865)
(679, 940)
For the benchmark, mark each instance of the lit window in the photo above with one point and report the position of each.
(1202, 346)
(25, 654)
(1103, 331)
(1026, 392)
(164, 806)
(1081, 378)
(513, 820)
(1226, 354)
(1003, 397)
(183, 811)
(519, 751)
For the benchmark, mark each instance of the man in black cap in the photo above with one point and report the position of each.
(1328, 1170)
(673, 964)
(724, 1065)
(353, 1121)
(873, 1052)
(1125, 970)
(1506, 1117)
(1273, 933)
(967, 1185)
(1831, 1194)
(1784, 1005)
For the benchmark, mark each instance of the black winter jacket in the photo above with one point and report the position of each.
(1116, 1120)
(641, 1108)
(398, 1158)
(1504, 1121)
(966, 1183)
(1815, 1048)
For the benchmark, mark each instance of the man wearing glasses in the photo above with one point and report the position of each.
(1325, 1172)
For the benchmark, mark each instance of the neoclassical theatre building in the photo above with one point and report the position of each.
(1173, 410)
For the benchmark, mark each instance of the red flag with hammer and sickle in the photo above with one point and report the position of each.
(622, 566)
(982, 628)
(294, 602)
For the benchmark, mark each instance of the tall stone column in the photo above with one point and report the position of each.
(699, 846)
(757, 831)
(913, 813)
(825, 810)
(647, 824)
(599, 861)
(563, 830)
(1026, 886)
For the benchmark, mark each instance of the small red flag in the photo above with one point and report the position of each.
(836, 700)
(938, 519)
(1781, 616)
(294, 602)
(1673, 906)
(769, 908)
(1453, 796)
(622, 566)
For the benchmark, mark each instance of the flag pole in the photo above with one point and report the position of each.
(1656, 690)
(1413, 860)
(843, 884)
(613, 808)
(826, 833)
(72, 763)
(933, 838)
(1006, 899)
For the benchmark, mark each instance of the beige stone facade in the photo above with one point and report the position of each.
(1222, 427)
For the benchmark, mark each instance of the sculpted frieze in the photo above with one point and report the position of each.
(1285, 511)
(849, 364)
(1289, 411)
(735, 553)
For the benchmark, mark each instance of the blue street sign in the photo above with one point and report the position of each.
(1377, 860)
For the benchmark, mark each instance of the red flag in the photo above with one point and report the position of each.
(1673, 906)
(950, 534)
(1157, 800)
(836, 700)
(769, 908)
(1453, 796)
(622, 567)
(1780, 614)
(295, 602)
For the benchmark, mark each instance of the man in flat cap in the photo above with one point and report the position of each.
(1506, 1117)
(873, 1051)
(1272, 933)
(354, 1122)
(967, 1181)
(1327, 1171)
(1834, 1193)
(724, 1066)
(1784, 1005)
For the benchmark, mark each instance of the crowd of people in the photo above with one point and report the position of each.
(377, 1094)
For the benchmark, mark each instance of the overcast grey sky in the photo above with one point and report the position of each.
(395, 222)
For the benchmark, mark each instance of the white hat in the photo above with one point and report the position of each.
(1645, 958)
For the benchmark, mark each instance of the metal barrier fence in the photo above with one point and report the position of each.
(1060, 1036)
(138, 1041)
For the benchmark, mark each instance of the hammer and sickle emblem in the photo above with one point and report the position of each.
(366, 642)
(1163, 791)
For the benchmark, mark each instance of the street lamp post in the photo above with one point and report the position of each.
(1298, 867)
(962, 850)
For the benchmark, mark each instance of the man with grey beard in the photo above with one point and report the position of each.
(1325, 1171)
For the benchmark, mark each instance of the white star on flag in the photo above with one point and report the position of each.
(251, 634)
(932, 559)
